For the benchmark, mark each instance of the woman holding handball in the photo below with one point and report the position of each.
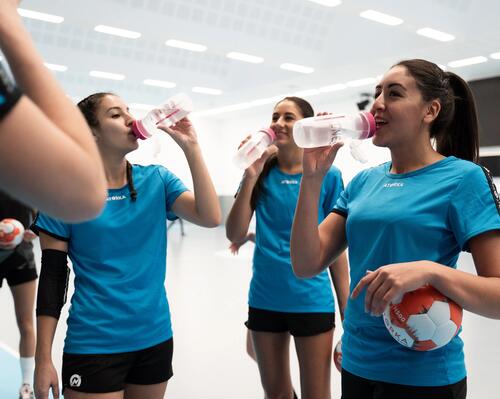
(406, 222)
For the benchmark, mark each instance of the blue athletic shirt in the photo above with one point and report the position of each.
(274, 286)
(119, 261)
(428, 214)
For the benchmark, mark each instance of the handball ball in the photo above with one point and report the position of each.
(423, 319)
(11, 233)
(337, 356)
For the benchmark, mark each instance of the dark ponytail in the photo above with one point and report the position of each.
(455, 129)
(88, 107)
(307, 111)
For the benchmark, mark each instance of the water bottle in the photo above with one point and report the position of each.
(11, 233)
(254, 147)
(326, 130)
(167, 114)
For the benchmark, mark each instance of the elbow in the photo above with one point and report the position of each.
(302, 270)
(85, 207)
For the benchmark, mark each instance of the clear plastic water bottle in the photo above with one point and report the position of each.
(254, 147)
(326, 130)
(166, 115)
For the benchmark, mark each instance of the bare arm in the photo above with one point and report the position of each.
(201, 207)
(339, 271)
(44, 140)
(45, 373)
(478, 294)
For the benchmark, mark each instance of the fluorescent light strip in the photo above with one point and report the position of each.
(107, 75)
(381, 17)
(327, 3)
(307, 93)
(296, 68)
(206, 90)
(56, 67)
(40, 16)
(435, 34)
(361, 82)
(490, 151)
(334, 87)
(186, 45)
(253, 59)
(159, 83)
(110, 30)
(467, 61)
(495, 56)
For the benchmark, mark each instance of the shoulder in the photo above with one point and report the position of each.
(366, 174)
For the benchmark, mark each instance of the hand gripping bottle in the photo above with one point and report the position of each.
(11, 233)
(326, 130)
(166, 115)
(254, 147)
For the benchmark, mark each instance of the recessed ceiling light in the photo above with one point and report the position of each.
(327, 3)
(106, 75)
(467, 61)
(435, 34)
(41, 16)
(245, 57)
(381, 17)
(206, 90)
(56, 67)
(186, 45)
(159, 83)
(361, 82)
(495, 56)
(110, 30)
(296, 68)
(334, 87)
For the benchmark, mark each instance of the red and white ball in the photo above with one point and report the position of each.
(423, 319)
(337, 356)
(11, 233)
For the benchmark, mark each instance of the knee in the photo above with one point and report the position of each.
(26, 327)
(278, 394)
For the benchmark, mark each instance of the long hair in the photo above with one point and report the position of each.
(455, 129)
(88, 107)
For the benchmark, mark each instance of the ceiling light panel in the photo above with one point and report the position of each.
(296, 68)
(380, 17)
(253, 59)
(41, 16)
(110, 30)
(186, 45)
(435, 34)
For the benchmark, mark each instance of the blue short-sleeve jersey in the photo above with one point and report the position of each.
(428, 214)
(274, 286)
(119, 262)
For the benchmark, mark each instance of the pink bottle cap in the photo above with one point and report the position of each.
(139, 130)
(372, 126)
(270, 132)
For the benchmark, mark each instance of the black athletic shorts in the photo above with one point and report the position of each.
(298, 324)
(354, 387)
(111, 372)
(19, 267)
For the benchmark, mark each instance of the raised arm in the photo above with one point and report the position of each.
(201, 207)
(48, 157)
(339, 272)
(314, 247)
(50, 298)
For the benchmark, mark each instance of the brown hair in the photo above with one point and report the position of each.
(88, 107)
(307, 111)
(455, 129)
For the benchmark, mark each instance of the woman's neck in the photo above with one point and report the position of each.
(413, 157)
(116, 171)
(290, 161)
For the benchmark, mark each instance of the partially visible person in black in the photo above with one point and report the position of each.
(18, 267)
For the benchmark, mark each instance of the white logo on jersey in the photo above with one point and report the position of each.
(116, 198)
(75, 380)
(389, 185)
(287, 181)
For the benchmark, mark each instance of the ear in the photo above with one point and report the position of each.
(432, 111)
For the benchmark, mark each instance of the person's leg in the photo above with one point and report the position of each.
(315, 360)
(250, 349)
(154, 391)
(272, 351)
(396, 391)
(70, 394)
(354, 387)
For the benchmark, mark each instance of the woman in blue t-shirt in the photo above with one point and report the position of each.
(280, 304)
(405, 223)
(119, 339)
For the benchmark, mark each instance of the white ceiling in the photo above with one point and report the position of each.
(339, 44)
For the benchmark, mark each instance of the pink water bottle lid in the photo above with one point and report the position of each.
(270, 132)
(139, 131)
(372, 126)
